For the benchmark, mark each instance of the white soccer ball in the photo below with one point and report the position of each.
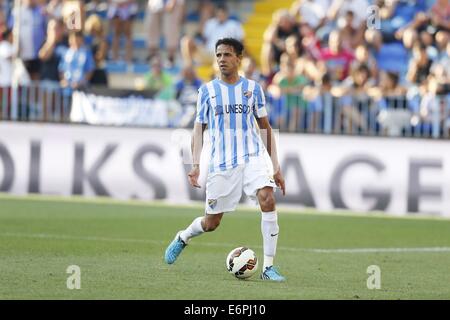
(242, 262)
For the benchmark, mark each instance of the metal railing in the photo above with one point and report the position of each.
(426, 116)
(35, 102)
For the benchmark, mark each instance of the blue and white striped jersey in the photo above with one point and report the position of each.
(230, 111)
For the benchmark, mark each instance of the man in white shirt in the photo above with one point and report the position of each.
(32, 34)
(313, 12)
(339, 8)
(221, 26)
(6, 56)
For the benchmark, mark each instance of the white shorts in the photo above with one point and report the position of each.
(224, 188)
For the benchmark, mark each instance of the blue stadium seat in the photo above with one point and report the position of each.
(88, 40)
(140, 15)
(140, 68)
(116, 67)
(138, 42)
(393, 57)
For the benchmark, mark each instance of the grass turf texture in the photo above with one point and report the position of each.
(120, 246)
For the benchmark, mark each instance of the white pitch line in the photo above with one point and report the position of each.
(97, 200)
(382, 250)
(227, 245)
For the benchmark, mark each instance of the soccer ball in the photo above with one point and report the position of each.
(242, 262)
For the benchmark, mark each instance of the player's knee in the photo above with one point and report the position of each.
(211, 225)
(267, 202)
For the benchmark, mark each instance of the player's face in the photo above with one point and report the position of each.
(227, 60)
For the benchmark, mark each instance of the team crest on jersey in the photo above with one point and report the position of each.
(248, 94)
(212, 203)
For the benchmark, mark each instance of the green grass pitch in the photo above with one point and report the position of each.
(119, 248)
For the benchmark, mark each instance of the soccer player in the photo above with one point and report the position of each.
(229, 106)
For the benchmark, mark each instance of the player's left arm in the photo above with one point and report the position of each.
(267, 135)
(268, 139)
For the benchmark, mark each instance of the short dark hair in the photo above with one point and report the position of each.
(363, 67)
(393, 76)
(5, 33)
(222, 6)
(236, 44)
(77, 34)
(326, 78)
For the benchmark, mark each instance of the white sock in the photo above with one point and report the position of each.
(268, 261)
(193, 230)
(269, 230)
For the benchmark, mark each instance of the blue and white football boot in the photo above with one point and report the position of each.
(272, 274)
(174, 249)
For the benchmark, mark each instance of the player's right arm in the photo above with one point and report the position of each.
(200, 124)
(196, 147)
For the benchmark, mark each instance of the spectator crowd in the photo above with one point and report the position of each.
(317, 57)
(330, 50)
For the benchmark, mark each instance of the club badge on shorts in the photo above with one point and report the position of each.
(212, 203)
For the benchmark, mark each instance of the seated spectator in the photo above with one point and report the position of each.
(435, 20)
(386, 9)
(439, 15)
(304, 63)
(288, 86)
(221, 26)
(429, 103)
(293, 47)
(395, 15)
(320, 103)
(435, 101)
(419, 65)
(350, 37)
(311, 12)
(357, 84)
(374, 40)
(389, 93)
(77, 66)
(159, 81)
(165, 17)
(364, 56)
(394, 112)
(409, 38)
(186, 94)
(440, 69)
(339, 8)
(250, 70)
(336, 58)
(336, 16)
(309, 42)
(122, 13)
(99, 47)
(283, 25)
(355, 99)
(187, 87)
(442, 38)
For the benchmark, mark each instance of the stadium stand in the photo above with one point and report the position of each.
(325, 46)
